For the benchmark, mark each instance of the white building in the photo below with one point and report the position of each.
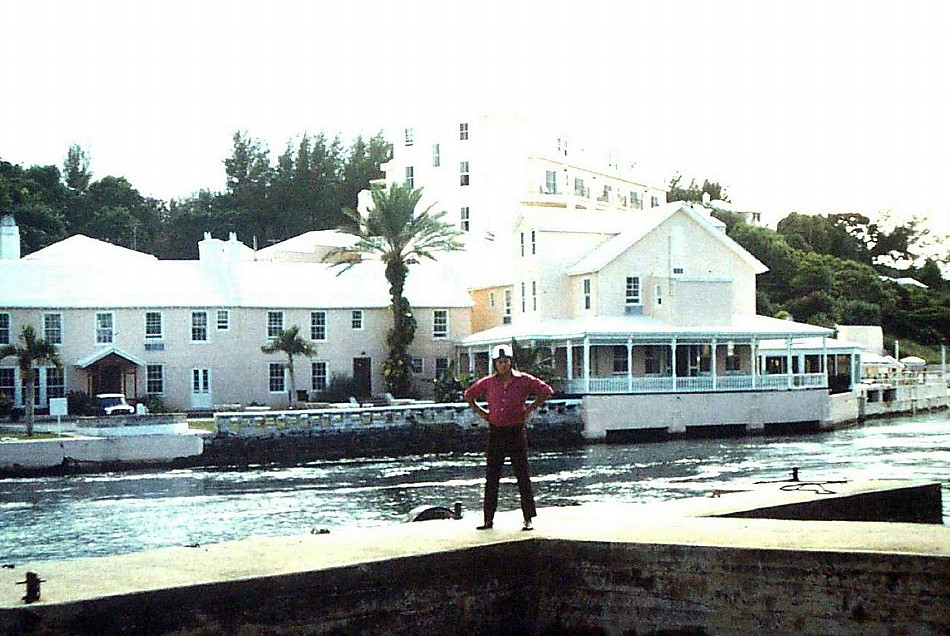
(191, 332)
(637, 299)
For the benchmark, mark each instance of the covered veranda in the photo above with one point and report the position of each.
(627, 355)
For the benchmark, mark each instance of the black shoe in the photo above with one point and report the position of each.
(488, 525)
(527, 525)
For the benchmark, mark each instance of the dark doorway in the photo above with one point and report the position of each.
(362, 383)
(111, 380)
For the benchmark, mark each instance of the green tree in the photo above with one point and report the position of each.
(30, 351)
(694, 192)
(400, 235)
(76, 169)
(290, 342)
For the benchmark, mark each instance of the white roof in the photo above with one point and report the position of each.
(80, 249)
(154, 283)
(642, 327)
(308, 242)
(643, 224)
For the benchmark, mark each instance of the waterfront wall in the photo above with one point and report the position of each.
(303, 435)
(96, 452)
(648, 417)
(882, 399)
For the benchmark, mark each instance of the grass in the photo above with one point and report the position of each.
(203, 425)
(36, 435)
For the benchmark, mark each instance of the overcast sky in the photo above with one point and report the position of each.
(826, 106)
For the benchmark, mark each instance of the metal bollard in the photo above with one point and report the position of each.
(32, 583)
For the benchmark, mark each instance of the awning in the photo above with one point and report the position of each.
(90, 360)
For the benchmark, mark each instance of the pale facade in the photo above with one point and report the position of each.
(575, 253)
(190, 332)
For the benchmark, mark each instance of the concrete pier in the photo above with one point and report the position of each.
(692, 566)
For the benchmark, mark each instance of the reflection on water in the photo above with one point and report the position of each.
(94, 515)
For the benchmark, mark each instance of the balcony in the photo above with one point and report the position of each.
(695, 384)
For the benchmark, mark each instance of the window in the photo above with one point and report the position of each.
(606, 195)
(53, 328)
(200, 381)
(409, 136)
(275, 373)
(524, 297)
(440, 324)
(275, 323)
(155, 379)
(463, 131)
(7, 381)
(579, 187)
(522, 243)
(318, 325)
(4, 328)
(654, 202)
(733, 362)
(677, 270)
(356, 319)
(534, 243)
(659, 295)
(507, 317)
(587, 294)
(534, 295)
(223, 320)
(153, 325)
(620, 359)
(636, 201)
(465, 219)
(491, 299)
(652, 357)
(55, 383)
(550, 182)
(463, 173)
(436, 156)
(562, 145)
(441, 366)
(633, 291)
(199, 326)
(104, 328)
(410, 177)
(418, 366)
(318, 376)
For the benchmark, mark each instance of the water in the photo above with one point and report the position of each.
(96, 515)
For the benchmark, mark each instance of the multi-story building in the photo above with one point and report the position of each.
(191, 332)
(637, 299)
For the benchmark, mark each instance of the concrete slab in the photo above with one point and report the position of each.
(688, 522)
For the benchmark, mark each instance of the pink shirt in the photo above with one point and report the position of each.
(506, 406)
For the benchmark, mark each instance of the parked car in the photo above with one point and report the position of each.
(113, 404)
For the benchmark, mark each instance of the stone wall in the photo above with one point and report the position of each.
(543, 587)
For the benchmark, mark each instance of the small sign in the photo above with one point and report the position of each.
(58, 406)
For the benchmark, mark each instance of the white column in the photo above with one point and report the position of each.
(586, 364)
(712, 364)
(824, 359)
(629, 365)
(754, 352)
(570, 360)
(788, 361)
(673, 361)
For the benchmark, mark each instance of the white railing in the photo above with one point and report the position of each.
(696, 384)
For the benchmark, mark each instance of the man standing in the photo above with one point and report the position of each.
(506, 391)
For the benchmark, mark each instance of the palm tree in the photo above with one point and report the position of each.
(30, 351)
(393, 230)
(290, 341)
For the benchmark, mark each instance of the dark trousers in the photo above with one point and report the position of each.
(506, 442)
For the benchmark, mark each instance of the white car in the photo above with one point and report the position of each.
(113, 404)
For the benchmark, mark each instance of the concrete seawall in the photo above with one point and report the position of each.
(683, 567)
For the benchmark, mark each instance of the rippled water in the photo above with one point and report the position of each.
(94, 515)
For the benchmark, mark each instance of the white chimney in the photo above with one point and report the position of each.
(9, 239)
